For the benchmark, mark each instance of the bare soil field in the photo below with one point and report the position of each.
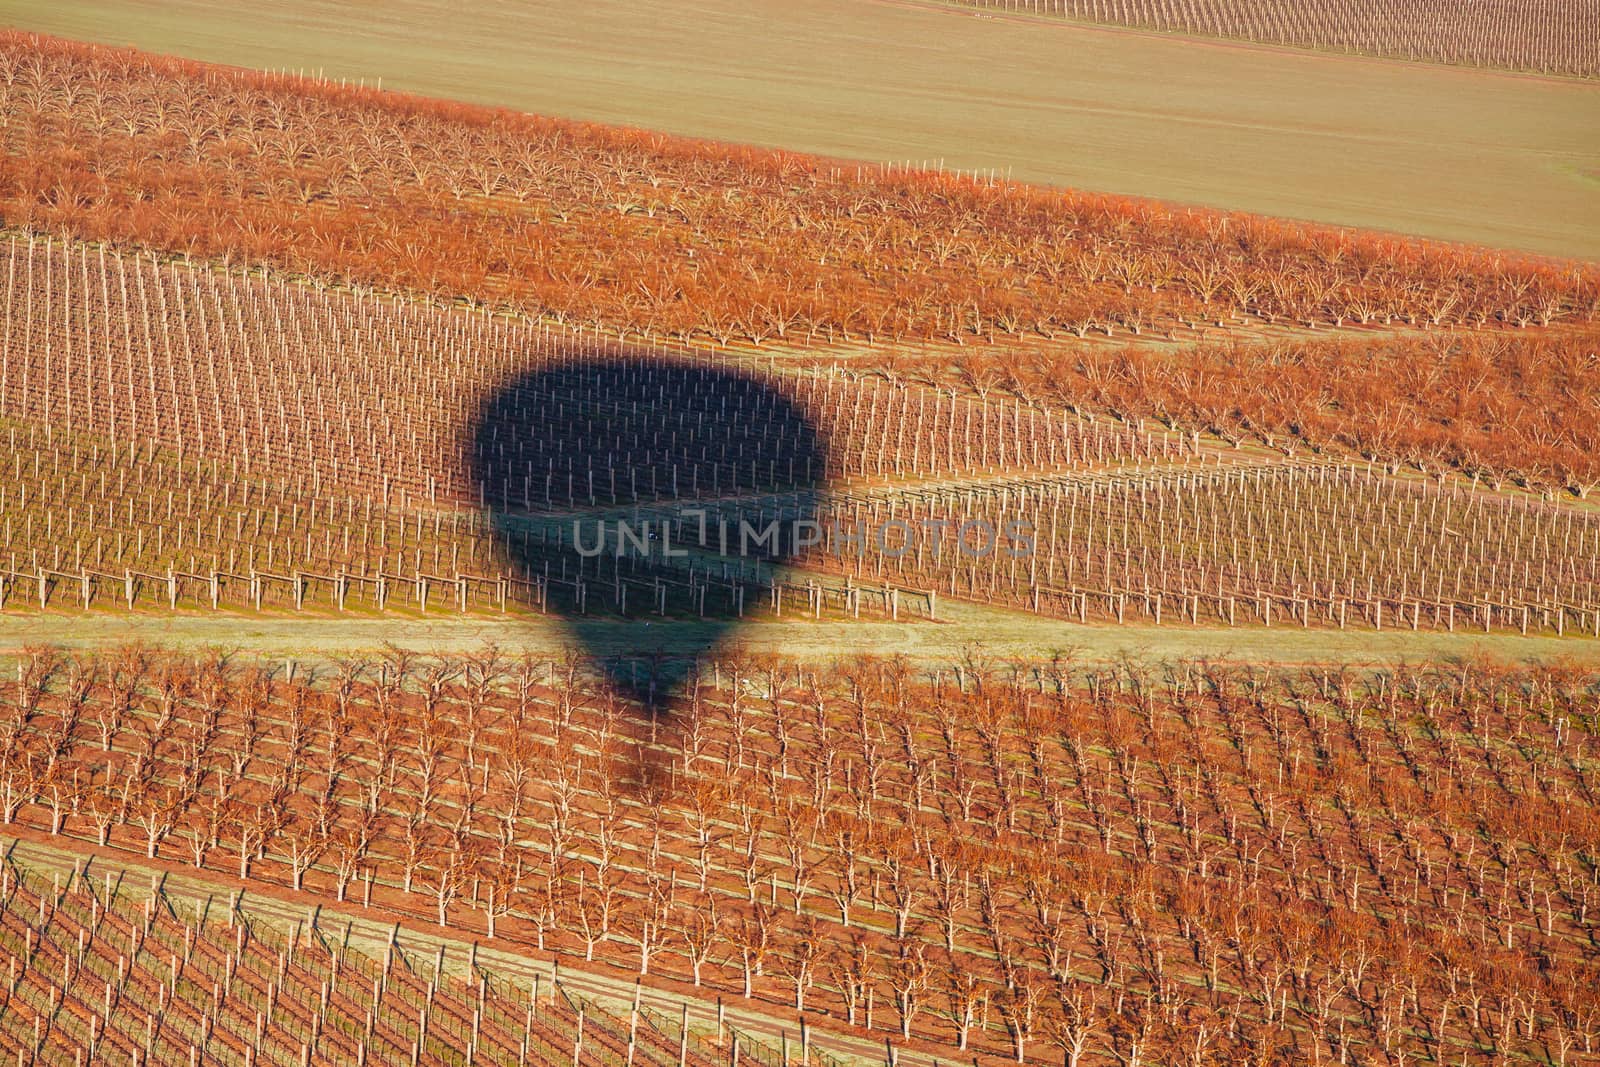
(1462, 155)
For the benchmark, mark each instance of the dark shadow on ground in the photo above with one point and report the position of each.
(620, 484)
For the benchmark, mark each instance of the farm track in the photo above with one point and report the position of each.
(322, 637)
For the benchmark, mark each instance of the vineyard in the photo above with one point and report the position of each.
(667, 238)
(1498, 409)
(272, 345)
(93, 978)
(1331, 545)
(1060, 297)
(1129, 864)
(1541, 36)
(416, 431)
(385, 398)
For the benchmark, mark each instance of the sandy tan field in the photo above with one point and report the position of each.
(1464, 155)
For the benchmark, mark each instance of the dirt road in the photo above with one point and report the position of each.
(1000, 632)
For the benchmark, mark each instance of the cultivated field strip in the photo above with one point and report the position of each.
(666, 237)
(131, 477)
(1542, 36)
(1495, 406)
(1250, 543)
(1312, 865)
(1296, 543)
(383, 397)
(98, 528)
(94, 976)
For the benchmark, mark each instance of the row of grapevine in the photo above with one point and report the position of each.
(1242, 543)
(126, 528)
(1302, 544)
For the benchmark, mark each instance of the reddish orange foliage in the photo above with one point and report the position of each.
(1492, 405)
(639, 232)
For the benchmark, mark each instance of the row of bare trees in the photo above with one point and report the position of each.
(1036, 859)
